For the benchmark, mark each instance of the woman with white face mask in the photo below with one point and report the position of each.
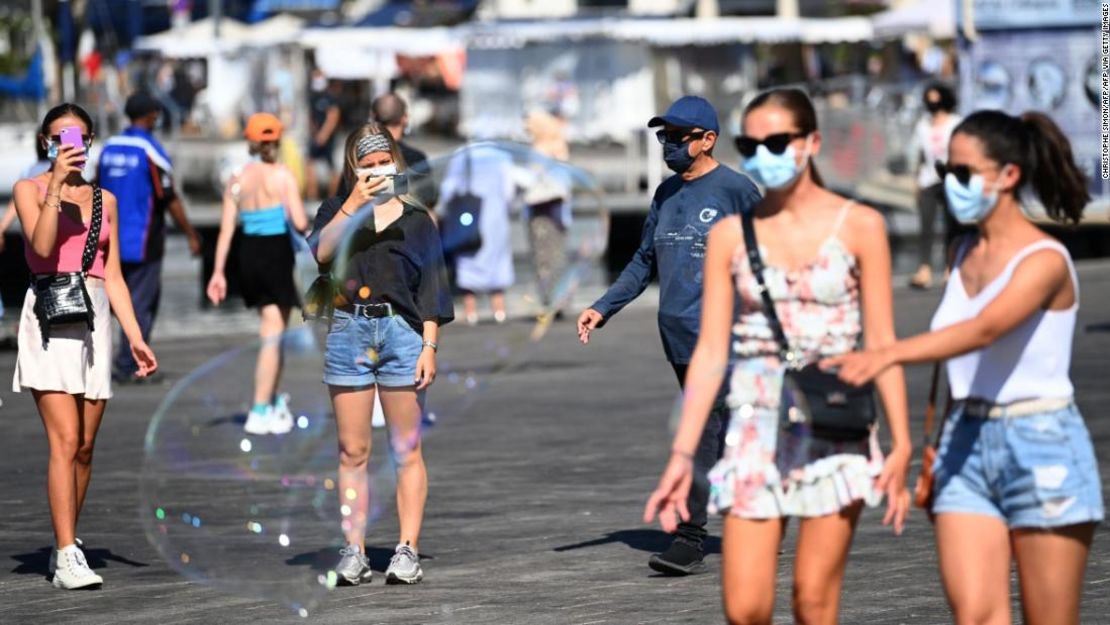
(827, 269)
(383, 254)
(1015, 476)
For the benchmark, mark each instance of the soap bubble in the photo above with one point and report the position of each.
(510, 220)
(255, 515)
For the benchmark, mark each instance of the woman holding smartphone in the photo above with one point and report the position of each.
(392, 300)
(263, 197)
(67, 367)
(1015, 476)
(827, 269)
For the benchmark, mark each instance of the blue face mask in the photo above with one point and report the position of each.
(677, 156)
(968, 204)
(774, 171)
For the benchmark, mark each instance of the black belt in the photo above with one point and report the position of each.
(369, 311)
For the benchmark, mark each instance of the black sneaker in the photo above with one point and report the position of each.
(681, 558)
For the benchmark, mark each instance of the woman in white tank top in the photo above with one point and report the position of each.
(1015, 476)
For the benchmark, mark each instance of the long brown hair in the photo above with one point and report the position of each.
(800, 107)
(1039, 148)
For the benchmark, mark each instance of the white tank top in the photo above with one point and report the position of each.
(1031, 361)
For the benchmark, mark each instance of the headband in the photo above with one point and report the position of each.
(372, 143)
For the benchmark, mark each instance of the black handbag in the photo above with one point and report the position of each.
(63, 298)
(811, 396)
(459, 231)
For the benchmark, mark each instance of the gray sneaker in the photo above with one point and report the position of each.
(353, 568)
(404, 567)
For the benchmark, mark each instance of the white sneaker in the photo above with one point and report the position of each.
(73, 571)
(281, 419)
(52, 565)
(258, 422)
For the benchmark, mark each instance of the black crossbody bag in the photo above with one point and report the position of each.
(63, 298)
(833, 410)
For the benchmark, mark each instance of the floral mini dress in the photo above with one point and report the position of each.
(769, 471)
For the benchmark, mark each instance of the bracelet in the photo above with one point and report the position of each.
(345, 212)
(435, 348)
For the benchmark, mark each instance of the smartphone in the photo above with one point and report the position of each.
(395, 184)
(72, 135)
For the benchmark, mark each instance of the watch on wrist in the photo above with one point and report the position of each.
(435, 347)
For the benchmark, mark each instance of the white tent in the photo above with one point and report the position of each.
(198, 39)
(937, 19)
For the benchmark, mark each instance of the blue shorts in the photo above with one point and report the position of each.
(364, 352)
(1035, 471)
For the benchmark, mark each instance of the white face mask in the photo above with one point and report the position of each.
(319, 83)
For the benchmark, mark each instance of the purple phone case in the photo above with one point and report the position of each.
(71, 135)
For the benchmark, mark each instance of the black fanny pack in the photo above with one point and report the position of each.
(63, 298)
(832, 409)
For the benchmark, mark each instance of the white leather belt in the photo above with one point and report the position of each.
(984, 409)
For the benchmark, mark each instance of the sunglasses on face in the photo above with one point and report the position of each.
(678, 136)
(963, 173)
(776, 143)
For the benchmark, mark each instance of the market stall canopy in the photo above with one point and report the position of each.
(198, 39)
(937, 19)
(671, 32)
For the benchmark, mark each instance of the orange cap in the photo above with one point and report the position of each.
(262, 127)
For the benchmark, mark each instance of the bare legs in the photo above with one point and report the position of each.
(496, 301)
(402, 415)
(975, 554)
(71, 424)
(353, 409)
(750, 561)
(272, 322)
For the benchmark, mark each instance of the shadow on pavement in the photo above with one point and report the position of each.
(653, 541)
(35, 562)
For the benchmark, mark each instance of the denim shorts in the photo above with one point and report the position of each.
(1033, 471)
(364, 352)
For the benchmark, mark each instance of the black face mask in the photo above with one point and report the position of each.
(933, 107)
(677, 156)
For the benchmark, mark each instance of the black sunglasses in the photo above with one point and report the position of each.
(776, 143)
(678, 136)
(963, 173)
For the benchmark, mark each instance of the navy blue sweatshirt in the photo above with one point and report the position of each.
(673, 246)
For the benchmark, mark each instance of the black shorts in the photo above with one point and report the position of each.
(322, 153)
(266, 265)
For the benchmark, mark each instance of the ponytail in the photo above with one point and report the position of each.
(1039, 148)
(1059, 183)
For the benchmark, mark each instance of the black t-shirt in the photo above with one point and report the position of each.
(421, 182)
(402, 265)
(319, 105)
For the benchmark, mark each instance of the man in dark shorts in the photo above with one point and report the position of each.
(391, 111)
(137, 170)
(672, 246)
(324, 118)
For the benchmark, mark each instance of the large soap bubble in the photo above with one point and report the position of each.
(253, 515)
(515, 226)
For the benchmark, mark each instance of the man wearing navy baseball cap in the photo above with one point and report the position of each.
(672, 246)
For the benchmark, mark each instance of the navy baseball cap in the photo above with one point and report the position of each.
(689, 111)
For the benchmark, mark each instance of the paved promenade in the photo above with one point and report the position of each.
(536, 494)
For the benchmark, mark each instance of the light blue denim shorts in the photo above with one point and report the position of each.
(362, 351)
(1030, 471)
